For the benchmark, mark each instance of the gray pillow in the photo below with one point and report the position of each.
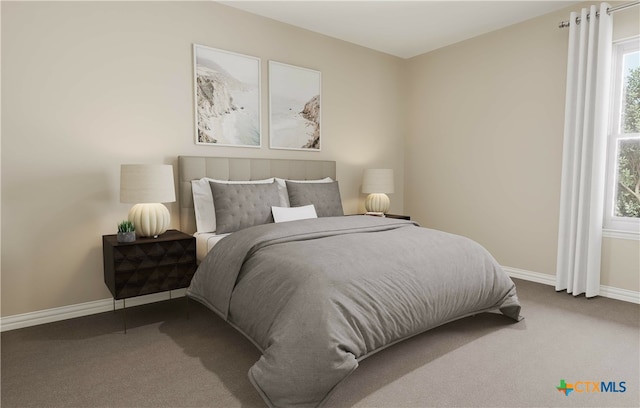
(324, 196)
(241, 206)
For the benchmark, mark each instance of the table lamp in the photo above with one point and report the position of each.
(377, 183)
(147, 186)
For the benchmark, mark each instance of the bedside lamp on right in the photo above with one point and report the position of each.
(377, 183)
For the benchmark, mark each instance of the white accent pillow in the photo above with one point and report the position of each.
(284, 214)
(203, 201)
(284, 194)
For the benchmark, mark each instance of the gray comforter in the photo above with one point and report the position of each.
(316, 296)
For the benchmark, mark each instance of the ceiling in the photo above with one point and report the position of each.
(401, 28)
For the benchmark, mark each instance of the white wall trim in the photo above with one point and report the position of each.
(546, 279)
(81, 309)
(106, 305)
(620, 294)
(537, 277)
(630, 235)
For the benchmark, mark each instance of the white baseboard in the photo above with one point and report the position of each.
(537, 277)
(106, 305)
(82, 309)
(605, 291)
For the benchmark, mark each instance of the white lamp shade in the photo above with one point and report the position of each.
(147, 183)
(377, 181)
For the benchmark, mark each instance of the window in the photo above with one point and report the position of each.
(623, 172)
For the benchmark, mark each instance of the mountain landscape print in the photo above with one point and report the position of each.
(227, 98)
(294, 107)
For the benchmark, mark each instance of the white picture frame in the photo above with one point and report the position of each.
(294, 107)
(229, 113)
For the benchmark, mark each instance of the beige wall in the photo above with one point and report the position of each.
(483, 154)
(88, 86)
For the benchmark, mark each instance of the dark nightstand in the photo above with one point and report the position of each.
(401, 217)
(148, 265)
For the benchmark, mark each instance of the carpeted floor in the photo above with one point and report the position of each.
(167, 360)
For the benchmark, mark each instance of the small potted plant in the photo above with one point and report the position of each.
(126, 232)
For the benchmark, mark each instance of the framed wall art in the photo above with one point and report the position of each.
(227, 98)
(294, 107)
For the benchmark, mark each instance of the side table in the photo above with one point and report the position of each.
(148, 265)
(401, 217)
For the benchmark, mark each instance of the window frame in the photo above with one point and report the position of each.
(613, 226)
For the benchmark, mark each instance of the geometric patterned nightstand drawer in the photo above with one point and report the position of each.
(148, 265)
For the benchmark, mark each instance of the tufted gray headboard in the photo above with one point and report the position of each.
(230, 168)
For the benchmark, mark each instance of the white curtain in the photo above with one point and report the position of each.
(584, 152)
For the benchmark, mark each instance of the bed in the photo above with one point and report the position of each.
(322, 291)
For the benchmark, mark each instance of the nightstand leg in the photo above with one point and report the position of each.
(124, 314)
(114, 305)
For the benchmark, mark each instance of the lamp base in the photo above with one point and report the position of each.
(377, 202)
(150, 219)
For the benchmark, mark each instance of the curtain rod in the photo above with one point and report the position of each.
(564, 24)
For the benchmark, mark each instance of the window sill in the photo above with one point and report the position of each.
(630, 235)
